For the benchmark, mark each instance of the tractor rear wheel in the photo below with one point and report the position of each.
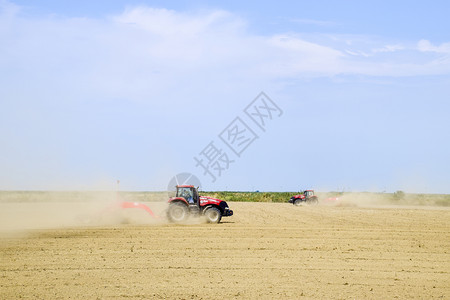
(213, 215)
(178, 212)
(313, 201)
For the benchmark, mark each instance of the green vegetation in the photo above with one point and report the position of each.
(250, 196)
(397, 198)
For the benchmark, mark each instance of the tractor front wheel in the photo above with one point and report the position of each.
(213, 215)
(298, 202)
(177, 212)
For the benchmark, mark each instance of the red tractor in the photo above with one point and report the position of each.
(305, 197)
(188, 202)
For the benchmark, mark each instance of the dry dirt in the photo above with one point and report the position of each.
(267, 250)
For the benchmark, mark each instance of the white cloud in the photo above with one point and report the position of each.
(313, 22)
(389, 48)
(296, 56)
(8, 11)
(373, 52)
(426, 46)
(164, 22)
(145, 51)
(357, 53)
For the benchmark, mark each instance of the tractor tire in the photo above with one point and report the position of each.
(213, 215)
(298, 202)
(177, 212)
(313, 201)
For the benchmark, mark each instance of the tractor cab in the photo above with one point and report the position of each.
(188, 192)
(309, 193)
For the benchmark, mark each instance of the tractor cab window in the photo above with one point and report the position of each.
(186, 193)
(309, 193)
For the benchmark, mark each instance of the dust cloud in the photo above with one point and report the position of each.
(29, 211)
(398, 199)
(24, 212)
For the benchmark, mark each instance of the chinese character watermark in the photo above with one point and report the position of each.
(237, 136)
(213, 161)
(262, 109)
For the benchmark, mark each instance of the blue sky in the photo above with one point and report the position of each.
(94, 91)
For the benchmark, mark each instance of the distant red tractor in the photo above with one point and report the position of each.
(187, 202)
(307, 197)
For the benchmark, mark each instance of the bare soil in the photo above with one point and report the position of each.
(265, 251)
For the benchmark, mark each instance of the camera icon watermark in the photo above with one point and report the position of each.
(184, 178)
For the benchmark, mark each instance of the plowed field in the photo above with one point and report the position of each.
(266, 250)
